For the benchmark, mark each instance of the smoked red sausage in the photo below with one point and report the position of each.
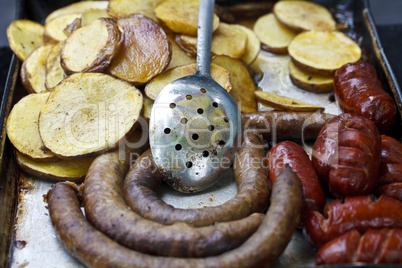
(375, 246)
(359, 213)
(291, 153)
(391, 161)
(359, 92)
(346, 155)
(393, 190)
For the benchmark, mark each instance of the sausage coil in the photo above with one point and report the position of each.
(95, 249)
(251, 178)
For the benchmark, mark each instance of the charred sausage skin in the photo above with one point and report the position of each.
(346, 153)
(359, 91)
(359, 212)
(375, 246)
(288, 152)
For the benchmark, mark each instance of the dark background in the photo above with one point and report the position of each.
(387, 15)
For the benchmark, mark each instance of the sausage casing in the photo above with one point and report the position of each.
(359, 91)
(360, 213)
(346, 153)
(286, 125)
(375, 246)
(391, 161)
(288, 152)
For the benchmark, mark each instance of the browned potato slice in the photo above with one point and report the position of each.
(72, 27)
(179, 56)
(22, 127)
(227, 40)
(53, 54)
(33, 70)
(145, 53)
(24, 36)
(63, 170)
(91, 15)
(274, 36)
(304, 16)
(121, 8)
(181, 16)
(148, 103)
(242, 84)
(54, 29)
(283, 103)
(55, 74)
(252, 47)
(78, 7)
(310, 82)
(219, 74)
(88, 114)
(91, 48)
(323, 52)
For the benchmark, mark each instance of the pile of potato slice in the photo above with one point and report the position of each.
(307, 32)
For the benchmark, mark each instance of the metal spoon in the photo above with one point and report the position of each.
(194, 126)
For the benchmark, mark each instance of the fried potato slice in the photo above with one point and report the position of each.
(88, 114)
(91, 48)
(228, 40)
(22, 127)
(91, 15)
(283, 103)
(181, 16)
(24, 36)
(121, 8)
(54, 29)
(33, 70)
(273, 35)
(252, 47)
(53, 54)
(179, 56)
(76, 24)
(148, 103)
(304, 16)
(55, 74)
(310, 82)
(63, 170)
(322, 52)
(78, 7)
(242, 84)
(219, 74)
(145, 53)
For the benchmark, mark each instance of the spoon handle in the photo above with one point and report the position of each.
(204, 36)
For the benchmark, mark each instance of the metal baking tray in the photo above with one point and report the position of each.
(27, 237)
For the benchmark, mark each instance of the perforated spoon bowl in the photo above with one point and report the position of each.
(195, 124)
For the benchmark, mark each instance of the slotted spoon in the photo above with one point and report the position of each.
(195, 124)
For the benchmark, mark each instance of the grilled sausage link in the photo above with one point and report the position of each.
(375, 246)
(359, 213)
(391, 161)
(286, 125)
(95, 249)
(251, 178)
(106, 210)
(359, 92)
(288, 152)
(346, 153)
